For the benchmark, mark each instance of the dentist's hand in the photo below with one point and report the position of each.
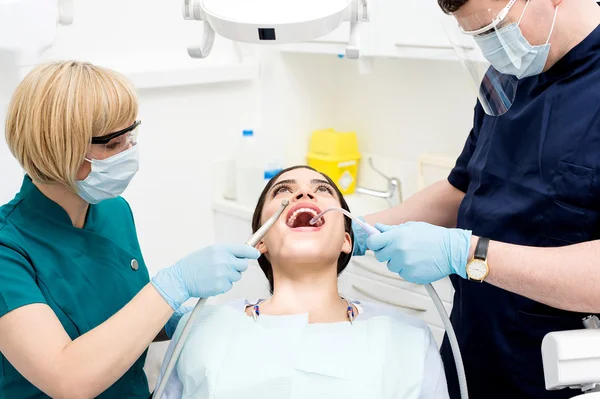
(208, 272)
(422, 253)
(360, 239)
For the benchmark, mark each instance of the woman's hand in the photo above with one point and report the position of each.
(208, 272)
(422, 253)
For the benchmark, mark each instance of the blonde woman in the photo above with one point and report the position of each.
(77, 309)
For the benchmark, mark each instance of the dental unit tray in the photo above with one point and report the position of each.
(274, 21)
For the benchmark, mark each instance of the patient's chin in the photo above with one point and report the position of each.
(306, 252)
(298, 248)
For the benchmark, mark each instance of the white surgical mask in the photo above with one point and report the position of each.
(109, 177)
(511, 53)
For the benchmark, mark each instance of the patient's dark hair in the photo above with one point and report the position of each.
(264, 263)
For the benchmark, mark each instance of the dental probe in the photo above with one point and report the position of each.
(262, 231)
(367, 227)
(252, 242)
(462, 379)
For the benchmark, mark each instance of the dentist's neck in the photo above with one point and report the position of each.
(313, 291)
(574, 22)
(72, 203)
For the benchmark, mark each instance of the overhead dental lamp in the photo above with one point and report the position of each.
(275, 21)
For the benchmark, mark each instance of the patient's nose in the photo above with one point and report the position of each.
(304, 193)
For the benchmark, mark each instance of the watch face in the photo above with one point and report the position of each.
(477, 269)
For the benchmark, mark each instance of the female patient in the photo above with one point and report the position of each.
(305, 341)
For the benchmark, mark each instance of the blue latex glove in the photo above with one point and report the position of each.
(420, 252)
(360, 238)
(208, 272)
(171, 325)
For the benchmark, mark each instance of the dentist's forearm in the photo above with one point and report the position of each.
(566, 278)
(111, 348)
(437, 204)
(34, 341)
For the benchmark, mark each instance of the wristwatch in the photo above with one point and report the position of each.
(477, 268)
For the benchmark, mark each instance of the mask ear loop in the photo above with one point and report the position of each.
(523, 13)
(553, 23)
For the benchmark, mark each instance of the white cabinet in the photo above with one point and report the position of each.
(419, 23)
(335, 43)
(368, 280)
(412, 29)
(397, 28)
(340, 35)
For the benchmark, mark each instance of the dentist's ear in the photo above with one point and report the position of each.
(262, 248)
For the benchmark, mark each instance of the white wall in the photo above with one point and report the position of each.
(402, 109)
(132, 35)
(11, 174)
(184, 131)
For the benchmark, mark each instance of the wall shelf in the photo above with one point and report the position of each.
(321, 48)
(424, 52)
(143, 77)
(192, 75)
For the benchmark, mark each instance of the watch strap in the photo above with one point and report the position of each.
(481, 249)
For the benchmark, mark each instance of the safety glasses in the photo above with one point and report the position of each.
(114, 143)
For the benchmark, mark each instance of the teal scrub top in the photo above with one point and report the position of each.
(84, 275)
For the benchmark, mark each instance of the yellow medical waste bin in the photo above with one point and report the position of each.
(335, 154)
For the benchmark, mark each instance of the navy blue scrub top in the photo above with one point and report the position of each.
(84, 275)
(530, 178)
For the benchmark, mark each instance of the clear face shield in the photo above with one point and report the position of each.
(488, 45)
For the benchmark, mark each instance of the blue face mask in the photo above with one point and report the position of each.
(109, 177)
(510, 53)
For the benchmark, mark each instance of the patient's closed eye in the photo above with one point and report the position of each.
(282, 189)
(325, 188)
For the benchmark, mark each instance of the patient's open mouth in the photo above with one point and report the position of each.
(300, 216)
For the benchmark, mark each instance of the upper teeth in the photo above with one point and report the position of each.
(299, 211)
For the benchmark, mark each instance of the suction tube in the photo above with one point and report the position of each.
(460, 369)
(252, 242)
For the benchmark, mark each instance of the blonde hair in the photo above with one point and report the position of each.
(55, 112)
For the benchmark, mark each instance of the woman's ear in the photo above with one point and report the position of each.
(347, 245)
(262, 247)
